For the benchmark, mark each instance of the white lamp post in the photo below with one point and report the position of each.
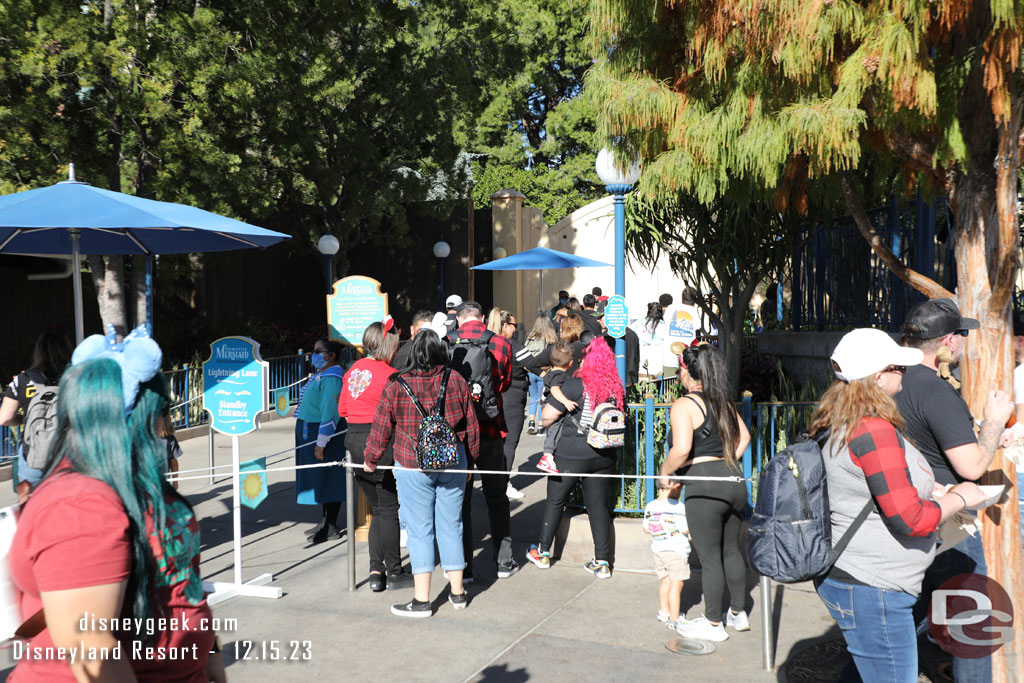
(328, 246)
(618, 183)
(441, 251)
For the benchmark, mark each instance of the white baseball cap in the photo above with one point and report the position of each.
(452, 301)
(861, 353)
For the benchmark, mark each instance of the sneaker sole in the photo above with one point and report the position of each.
(412, 615)
(458, 605)
(538, 563)
(506, 573)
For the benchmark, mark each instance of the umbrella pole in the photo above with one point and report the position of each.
(76, 279)
(540, 293)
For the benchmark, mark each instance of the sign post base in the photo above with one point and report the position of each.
(254, 588)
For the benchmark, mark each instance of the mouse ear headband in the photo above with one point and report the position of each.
(137, 354)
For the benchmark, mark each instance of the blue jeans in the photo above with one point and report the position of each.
(536, 396)
(966, 557)
(26, 473)
(878, 626)
(431, 508)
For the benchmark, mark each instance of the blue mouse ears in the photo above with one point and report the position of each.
(137, 354)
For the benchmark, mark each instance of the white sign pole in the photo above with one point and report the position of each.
(236, 507)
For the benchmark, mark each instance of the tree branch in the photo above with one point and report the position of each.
(917, 154)
(923, 284)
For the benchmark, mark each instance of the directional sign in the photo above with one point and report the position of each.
(616, 316)
(356, 303)
(235, 385)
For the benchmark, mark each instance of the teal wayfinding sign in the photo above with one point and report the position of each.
(616, 316)
(235, 385)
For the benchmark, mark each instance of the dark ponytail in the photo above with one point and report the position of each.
(705, 364)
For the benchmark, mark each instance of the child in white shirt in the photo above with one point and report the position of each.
(665, 521)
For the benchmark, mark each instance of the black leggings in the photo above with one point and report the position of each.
(714, 512)
(382, 495)
(513, 404)
(595, 495)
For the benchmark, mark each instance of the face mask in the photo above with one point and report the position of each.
(318, 361)
(563, 301)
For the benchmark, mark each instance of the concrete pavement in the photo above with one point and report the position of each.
(562, 623)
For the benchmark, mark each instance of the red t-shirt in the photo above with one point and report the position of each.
(73, 533)
(361, 390)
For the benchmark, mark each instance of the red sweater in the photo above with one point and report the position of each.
(360, 392)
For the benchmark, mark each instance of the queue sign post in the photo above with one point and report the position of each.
(235, 391)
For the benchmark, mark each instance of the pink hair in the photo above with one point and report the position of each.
(599, 375)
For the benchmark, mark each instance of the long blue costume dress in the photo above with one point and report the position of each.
(317, 421)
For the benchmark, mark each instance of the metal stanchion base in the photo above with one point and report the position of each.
(219, 591)
(690, 646)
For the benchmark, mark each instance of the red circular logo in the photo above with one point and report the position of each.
(970, 616)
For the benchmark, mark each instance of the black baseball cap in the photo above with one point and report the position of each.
(936, 318)
(470, 304)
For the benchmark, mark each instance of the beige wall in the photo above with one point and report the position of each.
(587, 232)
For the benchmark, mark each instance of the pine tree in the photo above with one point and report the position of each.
(780, 91)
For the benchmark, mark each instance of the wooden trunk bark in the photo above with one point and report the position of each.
(987, 251)
(108, 279)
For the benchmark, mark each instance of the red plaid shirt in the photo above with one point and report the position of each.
(877, 448)
(397, 416)
(501, 372)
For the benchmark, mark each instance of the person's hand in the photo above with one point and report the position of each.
(318, 452)
(570, 406)
(1006, 438)
(998, 407)
(971, 493)
(368, 467)
(665, 482)
(215, 672)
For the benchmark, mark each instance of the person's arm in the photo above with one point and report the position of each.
(682, 437)
(971, 460)
(330, 389)
(741, 445)
(382, 428)
(343, 395)
(64, 611)
(559, 395)
(472, 428)
(537, 363)
(501, 349)
(172, 469)
(9, 412)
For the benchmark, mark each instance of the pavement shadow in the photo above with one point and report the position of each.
(500, 673)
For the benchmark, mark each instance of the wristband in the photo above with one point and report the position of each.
(957, 494)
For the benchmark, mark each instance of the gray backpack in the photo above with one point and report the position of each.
(790, 534)
(40, 424)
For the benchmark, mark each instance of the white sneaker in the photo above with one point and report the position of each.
(664, 618)
(403, 537)
(737, 622)
(512, 494)
(702, 629)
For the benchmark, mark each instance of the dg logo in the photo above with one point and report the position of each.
(971, 616)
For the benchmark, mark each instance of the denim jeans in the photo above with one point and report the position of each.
(26, 473)
(966, 557)
(878, 626)
(431, 507)
(536, 396)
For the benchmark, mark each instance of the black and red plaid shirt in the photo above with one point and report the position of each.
(501, 371)
(877, 448)
(397, 416)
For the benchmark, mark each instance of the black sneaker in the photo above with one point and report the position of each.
(378, 583)
(505, 569)
(399, 581)
(414, 608)
(459, 601)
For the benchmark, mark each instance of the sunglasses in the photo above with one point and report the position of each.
(896, 368)
(515, 325)
(962, 333)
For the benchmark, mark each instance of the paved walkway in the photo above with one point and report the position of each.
(560, 624)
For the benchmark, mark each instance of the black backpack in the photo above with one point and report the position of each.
(472, 359)
(790, 535)
(437, 444)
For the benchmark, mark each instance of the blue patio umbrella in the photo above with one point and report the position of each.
(76, 218)
(541, 258)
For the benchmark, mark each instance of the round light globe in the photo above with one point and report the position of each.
(610, 175)
(442, 249)
(499, 252)
(328, 245)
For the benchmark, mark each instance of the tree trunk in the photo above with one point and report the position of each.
(984, 199)
(108, 280)
(139, 290)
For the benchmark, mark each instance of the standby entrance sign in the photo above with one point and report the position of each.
(235, 385)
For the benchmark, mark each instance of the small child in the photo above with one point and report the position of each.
(561, 361)
(665, 521)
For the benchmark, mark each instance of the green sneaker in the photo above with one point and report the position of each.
(599, 568)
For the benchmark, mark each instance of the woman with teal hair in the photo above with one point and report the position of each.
(320, 438)
(104, 535)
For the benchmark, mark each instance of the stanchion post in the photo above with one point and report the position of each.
(767, 637)
(350, 523)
